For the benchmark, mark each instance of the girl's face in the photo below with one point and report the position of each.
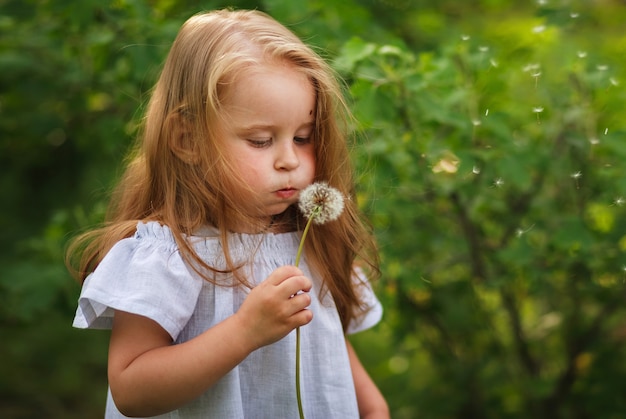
(268, 133)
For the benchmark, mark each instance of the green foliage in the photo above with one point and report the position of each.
(490, 151)
(498, 202)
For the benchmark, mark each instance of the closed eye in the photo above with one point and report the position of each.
(259, 143)
(302, 140)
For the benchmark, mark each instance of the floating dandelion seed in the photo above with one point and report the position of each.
(476, 170)
(465, 37)
(483, 48)
(537, 110)
(531, 67)
(476, 122)
(520, 232)
(498, 182)
(574, 15)
(536, 76)
(535, 71)
(602, 67)
(487, 112)
(576, 176)
(539, 28)
(493, 63)
(614, 81)
(619, 201)
(606, 131)
(594, 141)
(581, 54)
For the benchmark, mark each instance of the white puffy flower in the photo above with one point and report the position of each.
(321, 202)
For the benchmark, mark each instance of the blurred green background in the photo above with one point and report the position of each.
(491, 156)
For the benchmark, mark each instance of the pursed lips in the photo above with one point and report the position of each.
(286, 192)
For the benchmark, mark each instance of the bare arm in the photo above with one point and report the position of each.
(150, 376)
(372, 404)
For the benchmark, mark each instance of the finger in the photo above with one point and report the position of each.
(299, 302)
(295, 285)
(302, 317)
(281, 274)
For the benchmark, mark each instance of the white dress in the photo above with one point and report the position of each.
(146, 275)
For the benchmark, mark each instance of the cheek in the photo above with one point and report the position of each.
(310, 164)
(248, 170)
(312, 170)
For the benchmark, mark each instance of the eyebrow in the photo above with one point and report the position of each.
(260, 127)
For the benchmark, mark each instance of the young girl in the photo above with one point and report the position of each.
(193, 270)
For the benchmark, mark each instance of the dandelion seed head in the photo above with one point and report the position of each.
(322, 202)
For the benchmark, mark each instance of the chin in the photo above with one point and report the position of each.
(279, 210)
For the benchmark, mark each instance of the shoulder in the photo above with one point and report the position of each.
(155, 232)
(145, 275)
(150, 239)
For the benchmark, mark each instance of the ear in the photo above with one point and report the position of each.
(181, 140)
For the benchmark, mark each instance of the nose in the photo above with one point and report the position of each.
(287, 157)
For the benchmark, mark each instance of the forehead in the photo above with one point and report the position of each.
(270, 91)
(263, 73)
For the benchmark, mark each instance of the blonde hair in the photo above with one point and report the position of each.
(179, 175)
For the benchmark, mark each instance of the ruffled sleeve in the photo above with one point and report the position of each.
(373, 312)
(143, 275)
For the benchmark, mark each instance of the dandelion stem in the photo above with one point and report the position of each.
(298, 255)
(306, 230)
(298, 395)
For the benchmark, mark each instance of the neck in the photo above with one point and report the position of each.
(255, 226)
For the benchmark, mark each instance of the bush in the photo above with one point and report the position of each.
(497, 192)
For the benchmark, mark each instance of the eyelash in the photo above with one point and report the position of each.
(266, 143)
(260, 143)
